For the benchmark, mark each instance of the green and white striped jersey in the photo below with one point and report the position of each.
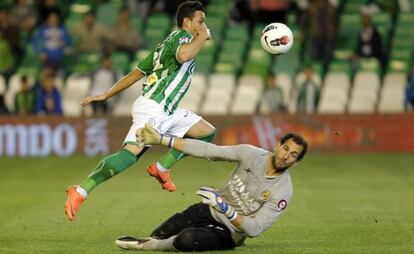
(167, 80)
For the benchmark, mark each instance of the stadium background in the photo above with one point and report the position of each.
(353, 194)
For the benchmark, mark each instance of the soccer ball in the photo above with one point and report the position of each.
(277, 38)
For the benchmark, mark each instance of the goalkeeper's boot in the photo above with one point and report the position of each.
(162, 177)
(130, 243)
(73, 202)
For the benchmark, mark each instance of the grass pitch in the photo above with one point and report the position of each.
(342, 203)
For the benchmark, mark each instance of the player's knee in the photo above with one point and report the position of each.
(209, 137)
(186, 241)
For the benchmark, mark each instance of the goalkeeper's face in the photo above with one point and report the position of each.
(286, 154)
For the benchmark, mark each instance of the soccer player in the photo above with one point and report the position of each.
(169, 69)
(253, 197)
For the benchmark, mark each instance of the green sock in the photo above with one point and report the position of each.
(172, 156)
(109, 167)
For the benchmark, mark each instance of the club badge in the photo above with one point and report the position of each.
(265, 195)
(282, 204)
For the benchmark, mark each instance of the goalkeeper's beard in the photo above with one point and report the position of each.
(275, 167)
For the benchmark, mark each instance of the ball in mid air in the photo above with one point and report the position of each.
(277, 38)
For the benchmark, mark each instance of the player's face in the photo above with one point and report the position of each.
(287, 154)
(198, 20)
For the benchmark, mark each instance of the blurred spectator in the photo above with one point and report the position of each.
(51, 41)
(268, 11)
(3, 108)
(241, 11)
(409, 92)
(24, 16)
(44, 72)
(319, 27)
(273, 96)
(10, 32)
(45, 7)
(24, 100)
(102, 80)
(405, 5)
(7, 57)
(125, 35)
(369, 42)
(308, 92)
(48, 101)
(92, 36)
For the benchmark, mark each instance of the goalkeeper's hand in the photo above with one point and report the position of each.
(147, 136)
(213, 199)
(150, 136)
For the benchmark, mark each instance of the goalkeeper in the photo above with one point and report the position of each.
(253, 197)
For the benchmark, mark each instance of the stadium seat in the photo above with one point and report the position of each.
(59, 83)
(87, 62)
(392, 93)
(364, 93)
(123, 104)
(107, 13)
(258, 62)
(252, 80)
(334, 94)
(216, 102)
(77, 87)
(284, 81)
(361, 106)
(13, 88)
(246, 100)
(329, 104)
(247, 94)
(120, 62)
(192, 99)
(222, 81)
(219, 93)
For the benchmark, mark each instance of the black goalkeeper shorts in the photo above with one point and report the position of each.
(196, 230)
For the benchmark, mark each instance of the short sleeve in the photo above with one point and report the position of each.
(180, 39)
(146, 65)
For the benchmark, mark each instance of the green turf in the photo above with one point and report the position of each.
(341, 204)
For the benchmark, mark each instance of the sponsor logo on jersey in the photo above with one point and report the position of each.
(152, 79)
(265, 195)
(183, 40)
(282, 204)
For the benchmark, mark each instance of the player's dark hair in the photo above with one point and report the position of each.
(299, 140)
(187, 10)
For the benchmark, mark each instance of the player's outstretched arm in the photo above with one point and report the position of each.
(189, 51)
(119, 86)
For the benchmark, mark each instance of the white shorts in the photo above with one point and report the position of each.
(148, 111)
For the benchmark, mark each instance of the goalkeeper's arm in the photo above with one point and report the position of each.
(149, 136)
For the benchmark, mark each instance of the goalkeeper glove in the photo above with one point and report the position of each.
(213, 199)
(150, 136)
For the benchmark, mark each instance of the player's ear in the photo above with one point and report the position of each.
(186, 22)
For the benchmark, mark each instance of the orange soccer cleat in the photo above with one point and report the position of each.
(162, 177)
(73, 202)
